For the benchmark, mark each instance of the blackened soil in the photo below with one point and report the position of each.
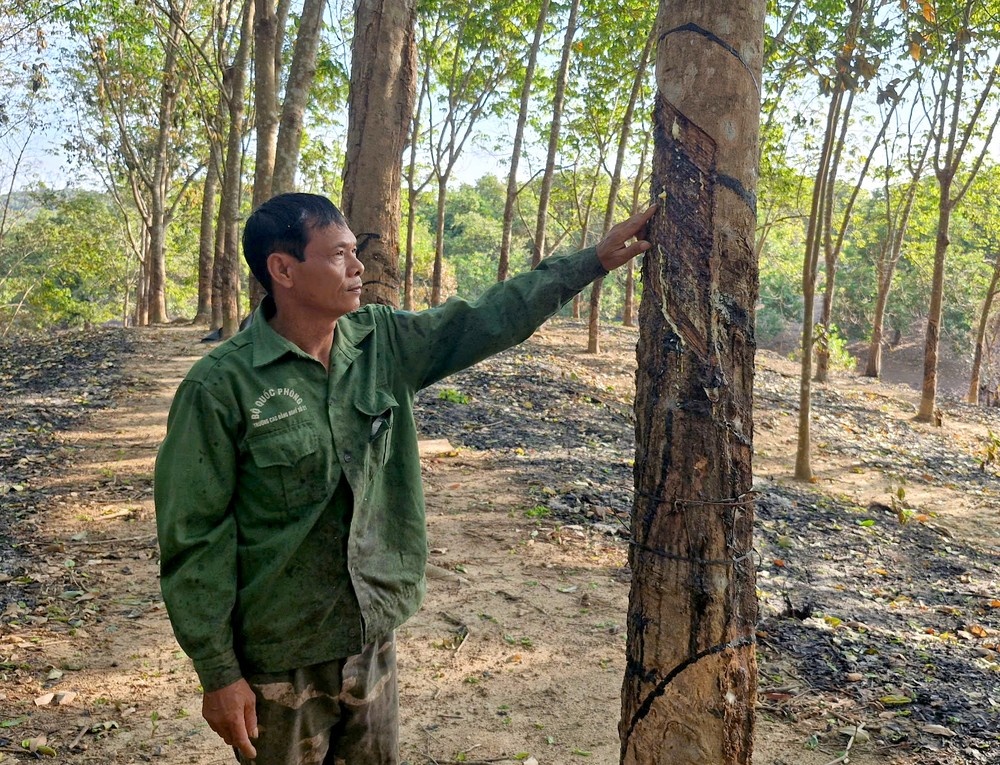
(863, 618)
(887, 616)
(48, 383)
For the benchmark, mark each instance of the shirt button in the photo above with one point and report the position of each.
(348, 457)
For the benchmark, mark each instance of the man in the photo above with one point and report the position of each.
(289, 505)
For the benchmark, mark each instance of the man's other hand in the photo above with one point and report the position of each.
(232, 713)
(613, 250)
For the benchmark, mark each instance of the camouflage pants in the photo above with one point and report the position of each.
(343, 712)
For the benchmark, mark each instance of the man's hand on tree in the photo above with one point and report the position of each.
(613, 251)
(232, 713)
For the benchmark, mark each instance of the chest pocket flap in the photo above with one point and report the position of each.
(289, 465)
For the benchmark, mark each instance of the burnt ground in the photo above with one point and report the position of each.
(48, 384)
(873, 611)
(877, 605)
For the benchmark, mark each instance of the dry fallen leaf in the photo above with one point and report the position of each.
(938, 730)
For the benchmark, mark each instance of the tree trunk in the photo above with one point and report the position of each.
(229, 205)
(810, 264)
(438, 274)
(206, 238)
(896, 228)
(413, 190)
(301, 74)
(218, 269)
(594, 329)
(984, 320)
(559, 98)
(383, 88)
(269, 35)
(691, 676)
(594, 317)
(267, 73)
(831, 253)
(503, 267)
(818, 226)
(628, 310)
(142, 283)
(873, 367)
(157, 297)
(932, 342)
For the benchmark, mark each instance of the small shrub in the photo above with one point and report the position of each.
(453, 396)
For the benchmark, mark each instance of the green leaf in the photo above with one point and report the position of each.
(895, 700)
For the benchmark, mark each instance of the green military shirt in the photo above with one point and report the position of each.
(289, 504)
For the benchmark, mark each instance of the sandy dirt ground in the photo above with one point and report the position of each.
(518, 652)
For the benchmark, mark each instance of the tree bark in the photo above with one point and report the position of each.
(206, 238)
(438, 275)
(594, 328)
(554, 133)
(952, 134)
(413, 190)
(984, 320)
(267, 74)
(690, 680)
(628, 310)
(301, 74)
(932, 340)
(160, 186)
(810, 265)
(830, 253)
(383, 88)
(229, 205)
(503, 266)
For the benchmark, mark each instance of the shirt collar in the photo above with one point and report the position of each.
(269, 346)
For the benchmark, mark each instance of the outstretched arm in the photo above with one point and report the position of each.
(435, 343)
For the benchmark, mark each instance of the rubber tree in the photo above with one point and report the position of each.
(963, 115)
(898, 200)
(611, 208)
(555, 129)
(980, 215)
(226, 274)
(835, 232)
(690, 682)
(513, 184)
(383, 89)
(469, 67)
(836, 84)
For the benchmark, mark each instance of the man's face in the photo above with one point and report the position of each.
(329, 279)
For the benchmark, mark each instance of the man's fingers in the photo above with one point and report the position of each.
(246, 748)
(635, 226)
(250, 717)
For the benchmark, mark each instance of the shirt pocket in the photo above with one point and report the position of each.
(378, 413)
(289, 466)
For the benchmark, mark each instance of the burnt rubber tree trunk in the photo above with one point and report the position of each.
(691, 675)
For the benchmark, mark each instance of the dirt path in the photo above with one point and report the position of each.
(518, 651)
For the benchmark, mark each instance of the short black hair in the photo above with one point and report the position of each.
(284, 224)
